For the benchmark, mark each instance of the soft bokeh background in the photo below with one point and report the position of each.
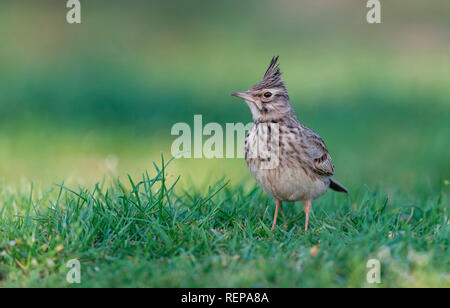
(81, 101)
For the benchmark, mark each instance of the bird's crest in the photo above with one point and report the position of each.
(272, 77)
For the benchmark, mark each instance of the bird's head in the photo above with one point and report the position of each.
(268, 100)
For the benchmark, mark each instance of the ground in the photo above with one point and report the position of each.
(143, 234)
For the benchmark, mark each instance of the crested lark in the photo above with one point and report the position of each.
(287, 159)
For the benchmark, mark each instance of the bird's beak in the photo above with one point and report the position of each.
(244, 94)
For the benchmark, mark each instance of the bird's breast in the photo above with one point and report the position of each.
(278, 168)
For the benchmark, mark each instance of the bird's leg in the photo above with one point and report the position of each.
(278, 204)
(307, 210)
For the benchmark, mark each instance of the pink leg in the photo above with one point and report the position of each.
(278, 204)
(307, 210)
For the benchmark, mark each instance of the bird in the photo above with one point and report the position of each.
(288, 160)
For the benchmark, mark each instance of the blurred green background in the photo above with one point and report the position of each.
(81, 101)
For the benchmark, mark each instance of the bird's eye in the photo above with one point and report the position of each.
(267, 94)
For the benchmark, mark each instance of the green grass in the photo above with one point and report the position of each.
(142, 233)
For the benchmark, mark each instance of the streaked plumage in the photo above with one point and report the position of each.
(287, 159)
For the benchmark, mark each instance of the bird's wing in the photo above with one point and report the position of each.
(319, 158)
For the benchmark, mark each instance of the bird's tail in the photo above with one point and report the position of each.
(335, 185)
